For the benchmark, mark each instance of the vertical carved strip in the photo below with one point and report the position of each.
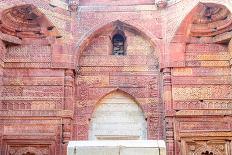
(68, 104)
(230, 51)
(2, 56)
(1, 140)
(167, 99)
(167, 92)
(68, 90)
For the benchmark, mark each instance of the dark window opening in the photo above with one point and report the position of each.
(28, 153)
(207, 153)
(118, 44)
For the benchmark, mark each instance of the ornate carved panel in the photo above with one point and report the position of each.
(206, 147)
(28, 150)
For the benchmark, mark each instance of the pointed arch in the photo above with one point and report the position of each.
(122, 92)
(119, 110)
(109, 26)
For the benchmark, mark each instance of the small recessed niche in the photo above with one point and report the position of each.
(118, 43)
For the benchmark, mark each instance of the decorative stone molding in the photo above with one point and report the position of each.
(73, 5)
(161, 3)
(204, 149)
(207, 147)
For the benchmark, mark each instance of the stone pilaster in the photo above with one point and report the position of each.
(167, 92)
(68, 105)
(167, 99)
(68, 90)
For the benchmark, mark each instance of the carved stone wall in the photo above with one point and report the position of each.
(201, 89)
(56, 65)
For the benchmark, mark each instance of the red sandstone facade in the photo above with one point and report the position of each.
(56, 65)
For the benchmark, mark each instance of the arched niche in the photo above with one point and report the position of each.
(26, 21)
(118, 117)
(205, 23)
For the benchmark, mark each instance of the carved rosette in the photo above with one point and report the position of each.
(161, 3)
(73, 5)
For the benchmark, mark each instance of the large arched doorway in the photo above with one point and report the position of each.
(118, 117)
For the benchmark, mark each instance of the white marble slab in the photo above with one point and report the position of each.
(119, 147)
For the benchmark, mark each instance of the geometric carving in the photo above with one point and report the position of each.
(37, 79)
(207, 153)
(206, 48)
(201, 71)
(28, 151)
(206, 150)
(29, 129)
(202, 92)
(207, 63)
(204, 126)
(28, 53)
(205, 104)
(206, 147)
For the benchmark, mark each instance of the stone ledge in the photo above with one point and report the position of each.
(36, 113)
(203, 113)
